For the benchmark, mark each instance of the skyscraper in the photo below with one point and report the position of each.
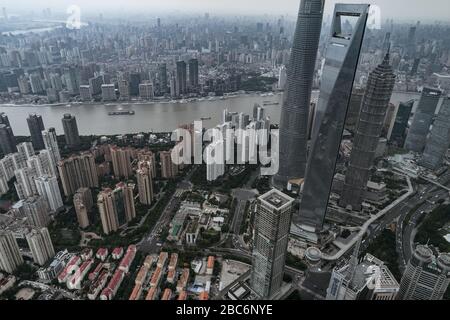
(41, 245)
(426, 276)
(51, 144)
(116, 206)
(83, 202)
(70, 128)
(398, 133)
(145, 182)
(368, 131)
(7, 139)
(168, 168)
(418, 131)
(180, 78)
(121, 160)
(47, 186)
(10, 257)
(297, 96)
(36, 126)
(193, 73)
(77, 172)
(272, 223)
(439, 139)
(336, 87)
(36, 210)
(162, 77)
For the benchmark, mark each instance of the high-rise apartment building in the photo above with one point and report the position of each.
(146, 91)
(336, 87)
(51, 144)
(36, 126)
(25, 185)
(83, 202)
(368, 131)
(77, 172)
(162, 77)
(36, 210)
(426, 277)
(116, 207)
(297, 95)
(69, 123)
(121, 161)
(272, 224)
(168, 168)
(7, 139)
(145, 182)
(47, 187)
(10, 257)
(108, 92)
(41, 245)
(423, 117)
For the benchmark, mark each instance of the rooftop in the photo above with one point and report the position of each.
(276, 199)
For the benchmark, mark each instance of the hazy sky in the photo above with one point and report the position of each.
(401, 9)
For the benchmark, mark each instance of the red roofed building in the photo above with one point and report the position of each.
(167, 295)
(117, 253)
(181, 284)
(128, 258)
(173, 261)
(151, 295)
(110, 291)
(156, 277)
(136, 293)
(210, 265)
(73, 264)
(93, 275)
(162, 259)
(203, 296)
(102, 254)
(182, 295)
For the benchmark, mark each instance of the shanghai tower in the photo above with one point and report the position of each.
(296, 100)
(373, 111)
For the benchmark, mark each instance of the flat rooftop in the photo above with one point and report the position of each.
(276, 199)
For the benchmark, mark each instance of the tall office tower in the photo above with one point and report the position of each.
(272, 222)
(426, 276)
(145, 182)
(121, 160)
(116, 206)
(150, 157)
(162, 77)
(282, 78)
(411, 42)
(7, 139)
(336, 87)
(368, 131)
(83, 203)
(36, 210)
(398, 133)
(10, 257)
(47, 187)
(168, 168)
(36, 125)
(124, 89)
(135, 79)
(353, 109)
(78, 172)
(25, 185)
(51, 144)
(389, 119)
(370, 279)
(439, 138)
(71, 77)
(85, 93)
(96, 85)
(70, 128)
(41, 245)
(297, 96)
(146, 91)
(420, 126)
(214, 169)
(193, 73)
(108, 92)
(181, 78)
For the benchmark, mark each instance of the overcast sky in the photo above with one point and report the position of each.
(425, 10)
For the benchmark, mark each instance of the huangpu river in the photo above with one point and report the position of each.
(153, 116)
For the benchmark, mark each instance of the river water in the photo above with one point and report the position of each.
(156, 117)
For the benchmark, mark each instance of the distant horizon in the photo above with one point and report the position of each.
(417, 9)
